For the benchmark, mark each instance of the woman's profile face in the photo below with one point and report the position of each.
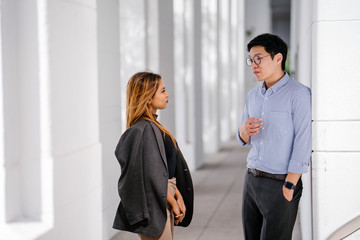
(160, 99)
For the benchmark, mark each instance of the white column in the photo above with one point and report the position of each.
(188, 106)
(300, 64)
(182, 134)
(336, 104)
(197, 85)
(210, 80)
(257, 21)
(294, 34)
(166, 60)
(108, 44)
(12, 49)
(241, 65)
(74, 120)
(152, 35)
(236, 62)
(26, 179)
(46, 154)
(224, 68)
(132, 45)
(2, 137)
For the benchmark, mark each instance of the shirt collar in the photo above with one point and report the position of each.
(277, 85)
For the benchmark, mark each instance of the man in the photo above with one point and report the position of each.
(277, 124)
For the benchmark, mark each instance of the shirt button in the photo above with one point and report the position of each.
(260, 158)
(262, 113)
(261, 143)
(263, 128)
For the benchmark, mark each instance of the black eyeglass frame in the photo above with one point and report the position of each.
(256, 60)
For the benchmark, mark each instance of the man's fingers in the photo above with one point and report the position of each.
(253, 120)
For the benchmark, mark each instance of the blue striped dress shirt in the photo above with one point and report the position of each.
(283, 143)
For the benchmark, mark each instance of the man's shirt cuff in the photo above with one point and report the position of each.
(239, 139)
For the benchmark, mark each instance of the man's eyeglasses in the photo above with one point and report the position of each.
(256, 60)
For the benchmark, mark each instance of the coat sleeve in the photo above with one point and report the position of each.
(185, 185)
(131, 183)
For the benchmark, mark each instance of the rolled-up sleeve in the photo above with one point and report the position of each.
(302, 146)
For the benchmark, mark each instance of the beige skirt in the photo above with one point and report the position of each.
(168, 232)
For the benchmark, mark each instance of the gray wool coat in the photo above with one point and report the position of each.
(143, 181)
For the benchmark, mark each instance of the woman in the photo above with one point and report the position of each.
(155, 185)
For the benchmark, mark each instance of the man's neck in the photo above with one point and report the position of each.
(270, 82)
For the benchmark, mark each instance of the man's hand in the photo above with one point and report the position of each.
(293, 178)
(288, 193)
(249, 128)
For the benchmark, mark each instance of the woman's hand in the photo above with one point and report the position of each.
(178, 214)
(181, 204)
(176, 210)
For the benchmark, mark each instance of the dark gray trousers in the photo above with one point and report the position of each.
(266, 214)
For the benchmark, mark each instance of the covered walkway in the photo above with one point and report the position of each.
(218, 196)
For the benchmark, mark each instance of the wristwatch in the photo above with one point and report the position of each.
(289, 185)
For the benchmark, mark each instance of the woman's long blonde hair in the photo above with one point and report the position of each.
(141, 87)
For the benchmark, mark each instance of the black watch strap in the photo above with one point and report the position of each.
(289, 185)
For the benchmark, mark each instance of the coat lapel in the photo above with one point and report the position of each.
(160, 142)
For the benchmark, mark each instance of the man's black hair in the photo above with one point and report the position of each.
(273, 44)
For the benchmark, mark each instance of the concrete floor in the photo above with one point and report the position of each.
(218, 195)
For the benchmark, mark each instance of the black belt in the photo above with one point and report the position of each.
(258, 173)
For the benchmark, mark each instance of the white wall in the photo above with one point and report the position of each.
(336, 127)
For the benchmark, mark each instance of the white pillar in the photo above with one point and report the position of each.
(336, 104)
(74, 120)
(241, 65)
(2, 137)
(188, 97)
(132, 45)
(257, 21)
(166, 60)
(224, 69)
(26, 179)
(108, 44)
(300, 63)
(236, 63)
(197, 85)
(210, 73)
(152, 35)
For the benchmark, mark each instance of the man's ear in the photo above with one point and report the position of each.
(279, 58)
